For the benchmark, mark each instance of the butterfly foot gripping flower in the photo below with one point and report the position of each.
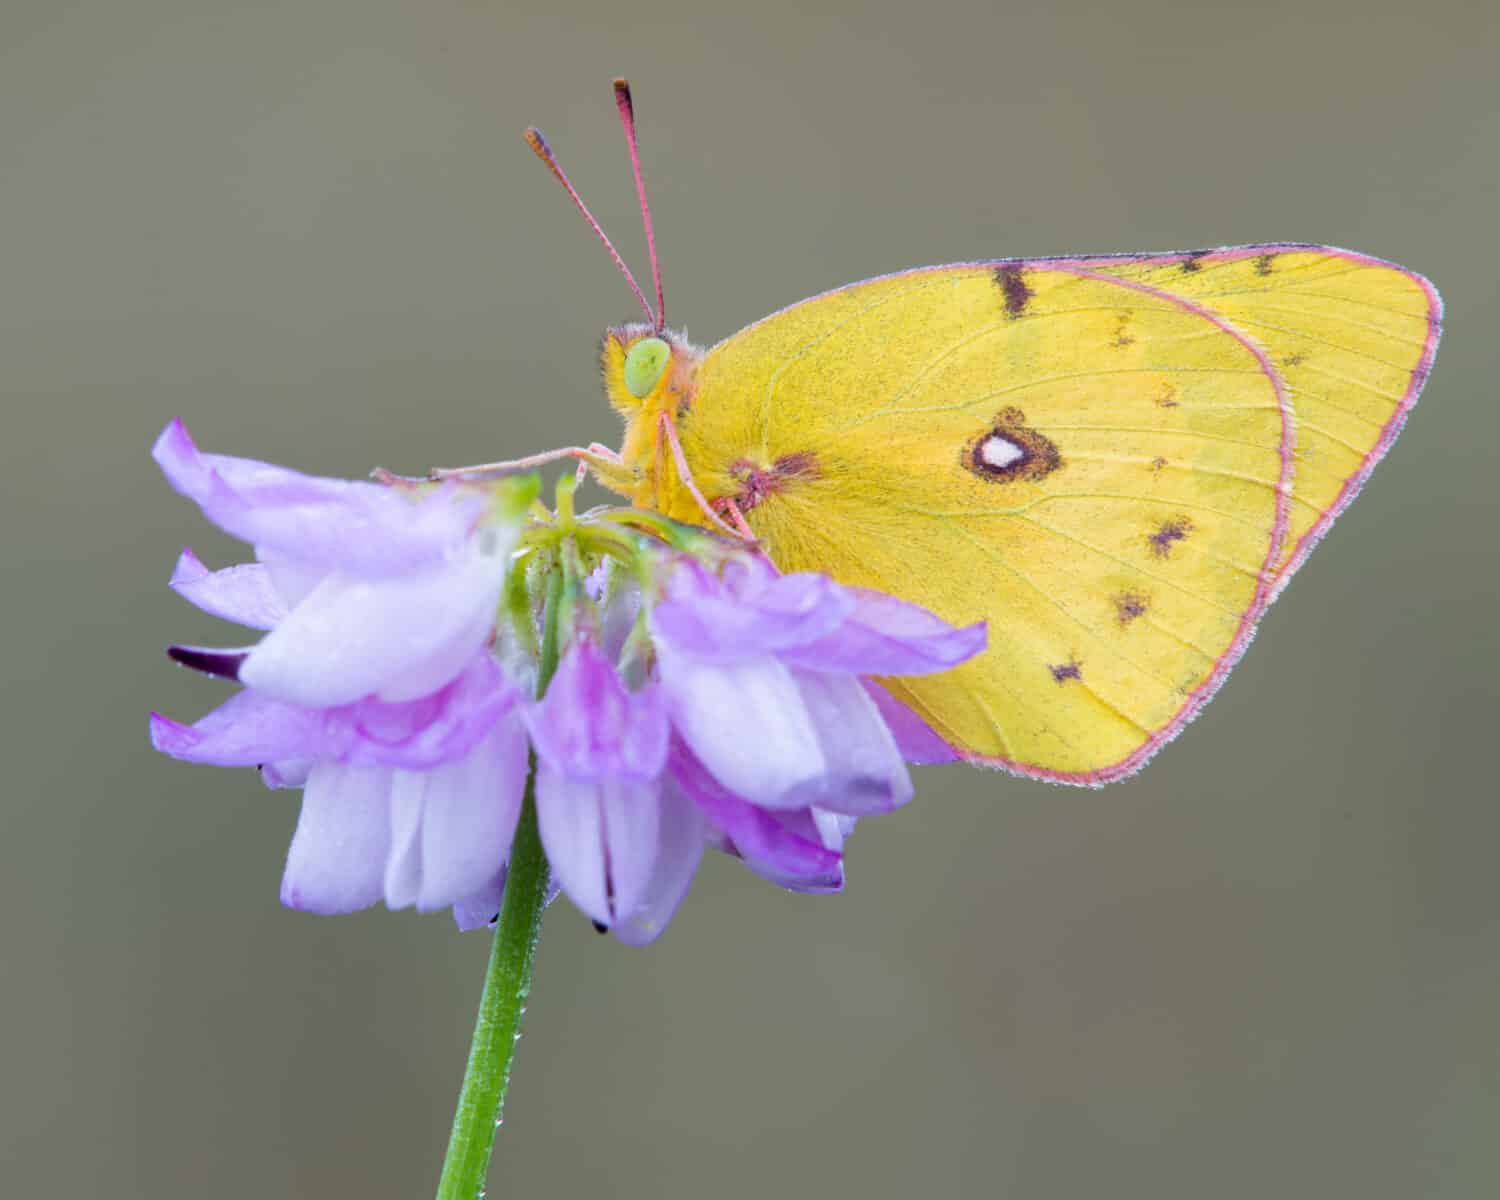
(690, 695)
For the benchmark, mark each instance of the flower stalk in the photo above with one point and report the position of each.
(507, 981)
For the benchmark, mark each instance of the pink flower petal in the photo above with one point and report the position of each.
(436, 729)
(917, 740)
(755, 835)
(753, 612)
(590, 727)
(364, 528)
(245, 731)
(886, 636)
(242, 594)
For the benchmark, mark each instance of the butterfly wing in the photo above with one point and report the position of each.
(1352, 337)
(1080, 452)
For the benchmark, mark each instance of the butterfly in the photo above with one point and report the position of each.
(1118, 462)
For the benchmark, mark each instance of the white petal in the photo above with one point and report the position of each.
(747, 723)
(600, 838)
(472, 809)
(399, 638)
(865, 772)
(572, 832)
(679, 850)
(337, 860)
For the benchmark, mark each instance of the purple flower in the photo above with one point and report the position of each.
(762, 677)
(754, 730)
(697, 700)
(373, 688)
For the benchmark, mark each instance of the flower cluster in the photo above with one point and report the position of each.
(690, 695)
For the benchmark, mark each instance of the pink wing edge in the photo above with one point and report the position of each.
(1271, 583)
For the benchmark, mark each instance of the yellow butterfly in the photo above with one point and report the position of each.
(1117, 462)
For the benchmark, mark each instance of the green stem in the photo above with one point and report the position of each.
(498, 1025)
(507, 982)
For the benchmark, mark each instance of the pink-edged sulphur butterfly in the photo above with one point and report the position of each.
(1118, 462)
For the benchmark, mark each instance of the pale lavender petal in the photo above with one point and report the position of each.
(292, 579)
(478, 910)
(746, 722)
(917, 740)
(572, 832)
(600, 839)
(886, 636)
(400, 638)
(750, 832)
(470, 819)
(242, 594)
(337, 860)
(701, 616)
(436, 729)
(288, 773)
(618, 595)
(365, 528)
(403, 867)
(451, 827)
(678, 853)
(632, 826)
(588, 726)
(833, 828)
(865, 772)
(247, 730)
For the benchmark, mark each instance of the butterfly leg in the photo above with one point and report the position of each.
(735, 515)
(606, 464)
(604, 452)
(666, 428)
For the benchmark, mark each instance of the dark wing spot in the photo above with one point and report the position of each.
(1129, 606)
(1193, 262)
(1167, 397)
(1011, 279)
(802, 465)
(1158, 463)
(1037, 459)
(1294, 360)
(1170, 531)
(1123, 335)
(757, 483)
(1263, 263)
(1068, 670)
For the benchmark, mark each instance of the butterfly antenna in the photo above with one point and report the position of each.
(539, 147)
(627, 119)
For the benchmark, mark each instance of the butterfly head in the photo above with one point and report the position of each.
(647, 372)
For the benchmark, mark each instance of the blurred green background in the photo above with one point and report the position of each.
(1266, 967)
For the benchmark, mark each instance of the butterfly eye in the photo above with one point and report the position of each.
(644, 365)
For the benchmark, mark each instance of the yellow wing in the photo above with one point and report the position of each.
(1352, 337)
(1094, 456)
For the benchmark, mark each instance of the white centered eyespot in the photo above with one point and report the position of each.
(998, 452)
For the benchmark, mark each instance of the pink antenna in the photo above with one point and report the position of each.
(539, 147)
(627, 119)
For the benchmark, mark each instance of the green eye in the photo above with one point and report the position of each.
(644, 365)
